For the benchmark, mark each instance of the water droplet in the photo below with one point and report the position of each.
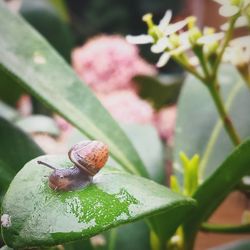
(6, 220)
(38, 58)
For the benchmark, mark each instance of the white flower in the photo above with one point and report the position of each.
(164, 58)
(238, 51)
(161, 45)
(242, 21)
(231, 7)
(164, 29)
(140, 39)
(183, 45)
(210, 38)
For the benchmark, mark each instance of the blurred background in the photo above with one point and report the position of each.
(90, 36)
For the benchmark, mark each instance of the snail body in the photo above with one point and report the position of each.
(88, 158)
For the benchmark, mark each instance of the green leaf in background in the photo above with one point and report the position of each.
(45, 248)
(61, 7)
(38, 124)
(78, 245)
(16, 148)
(47, 76)
(6, 248)
(10, 92)
(41, 216)
(149, 146)
(42, 15)
(159, 91)
(216, 188)
(7, 112)
(199, 128)
(133, 236)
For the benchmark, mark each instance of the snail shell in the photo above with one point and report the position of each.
(90, 156)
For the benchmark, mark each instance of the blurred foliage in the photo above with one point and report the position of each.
(51, 19)
(137, 234)
(159, 91)
(115, 16)
(9, 90)
(7, 112)
(16, 148)
(90, 18)
(46, 19)
(205, 131)
(38, 124)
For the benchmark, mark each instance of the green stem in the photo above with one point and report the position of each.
(190, 235)
(214, 91)
(226, 41)
(198, 50)
(225, 229)
(112, 239)
(156, 242)
(189, 68)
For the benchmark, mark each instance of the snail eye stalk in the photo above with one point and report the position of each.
(46, 164)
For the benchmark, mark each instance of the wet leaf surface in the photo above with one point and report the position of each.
(40, 216)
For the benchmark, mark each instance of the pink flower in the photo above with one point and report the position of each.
(165, 123)
(108, 63)
(125, 106)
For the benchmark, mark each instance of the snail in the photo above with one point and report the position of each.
(88, 158)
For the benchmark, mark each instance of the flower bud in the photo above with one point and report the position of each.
(194, 35)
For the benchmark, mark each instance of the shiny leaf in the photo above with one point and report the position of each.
(216, 188)
(40, 216)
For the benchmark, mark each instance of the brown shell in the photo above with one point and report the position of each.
(90, 156)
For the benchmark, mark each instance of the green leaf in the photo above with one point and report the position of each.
(7, 112)
(41, 216)
(61, 9)
(6, 248)
(47, 20)
(78, 245)
(199, 129)
(225, 228)
(16, 148)
(135, 234)
(45, 248)
(38, 124)
(9, 91)
(28, 57)
(216, 188)
(149, 146)
(160, 91)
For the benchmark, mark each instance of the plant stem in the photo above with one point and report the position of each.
(189, 68)
(225, 229)
(227, 39)
(214, 91)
